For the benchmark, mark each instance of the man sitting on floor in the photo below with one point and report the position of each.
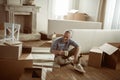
(60, 47)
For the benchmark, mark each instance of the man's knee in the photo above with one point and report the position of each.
(72, 51)
(59, 60)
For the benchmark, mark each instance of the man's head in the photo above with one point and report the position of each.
(67, 35)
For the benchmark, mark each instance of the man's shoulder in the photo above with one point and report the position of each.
(59, 38)
(71, 40)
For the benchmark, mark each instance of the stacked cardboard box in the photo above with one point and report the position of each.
(10, 50)
(108, 55)
(112, 58)
(15, 58)
(10, 67)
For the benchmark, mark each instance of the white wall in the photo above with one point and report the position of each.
(94, 38)
(42, 17)
(59, 26)
(91, 7)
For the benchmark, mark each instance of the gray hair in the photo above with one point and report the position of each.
(69, 31)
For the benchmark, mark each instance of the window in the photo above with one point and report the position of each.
(61, 7)
(112, 15)
(58, 8)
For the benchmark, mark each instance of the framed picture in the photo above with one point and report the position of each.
(14, 2)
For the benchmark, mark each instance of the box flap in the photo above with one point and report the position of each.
(107, 48)
(96, 49)
(12, 43)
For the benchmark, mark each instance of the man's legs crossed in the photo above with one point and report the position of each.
(77, 66)
(62, 60)
(71, 53)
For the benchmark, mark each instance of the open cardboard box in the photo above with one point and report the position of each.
(106, 55)
(13, 61)
(10, 50)
(111, 53)
(10, 67)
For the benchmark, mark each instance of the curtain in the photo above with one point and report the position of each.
(116, 16)
(112, 14)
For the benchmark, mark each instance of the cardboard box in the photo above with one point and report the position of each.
(12, 69)
(111, 61)
(2, 26)
(12, 63)
(26, 49)
(111, 55)
(34, 74)
(107, 55)
(70, 16)
(95, 57)
(80, 16)
(76, 16)
(31, 74)
(10, 51)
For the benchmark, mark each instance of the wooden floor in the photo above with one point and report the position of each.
(68, 73)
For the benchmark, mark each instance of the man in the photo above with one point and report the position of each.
(60, 47)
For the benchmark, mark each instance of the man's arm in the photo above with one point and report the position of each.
(54, 49)
(57, 52)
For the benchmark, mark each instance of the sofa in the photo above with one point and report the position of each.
(89, 38)
(59, 26)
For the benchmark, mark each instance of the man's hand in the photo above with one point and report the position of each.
(66, 53)
(57, 52)
(61, 53)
